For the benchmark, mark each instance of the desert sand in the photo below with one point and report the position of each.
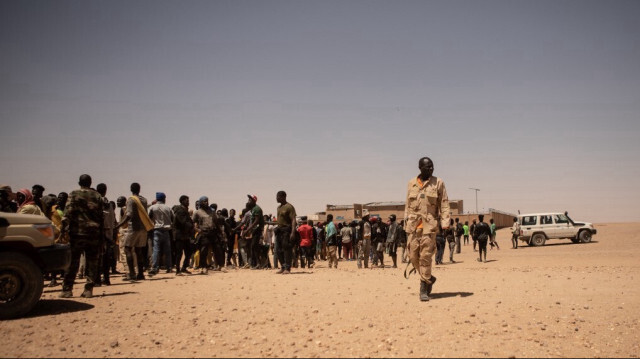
(560, 300)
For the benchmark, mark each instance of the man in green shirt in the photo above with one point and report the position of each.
(285, 232)
(256, 226)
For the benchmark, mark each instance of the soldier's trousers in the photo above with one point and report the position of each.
(363, 252)
(90, 247)
(458, 244)
(421, 247)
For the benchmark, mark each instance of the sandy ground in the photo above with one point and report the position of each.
(560, 300)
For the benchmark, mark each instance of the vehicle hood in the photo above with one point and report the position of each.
(15, 218)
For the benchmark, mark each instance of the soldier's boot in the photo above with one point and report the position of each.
(66, 293)
(430, 286)
(424, 296)
(88, 293)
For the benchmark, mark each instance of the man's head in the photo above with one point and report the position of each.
(392, 218)
(84, 181)
(184, 200)
(102, 189)
(224, 212)
(310, 222)
(37, 191)
(214, 206)
(252, 201)
(451, 222)
(515, 219)
(135, 188)
(161, 197)
(281, 197)
(329, 218)
(480, 218)
(6, 192)
(232, 213)
(457, 220)
(426, 167)
(474, 221)
(491, 221)
(24, 195)
(62, 199)
(121, 201)
(203, 202)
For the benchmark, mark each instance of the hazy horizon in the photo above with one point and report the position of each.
(536, 103)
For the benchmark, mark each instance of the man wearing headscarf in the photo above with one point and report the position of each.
(26, 204)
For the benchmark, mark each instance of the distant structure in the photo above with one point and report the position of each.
(348, 213)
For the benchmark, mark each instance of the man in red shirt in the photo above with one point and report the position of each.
(306, 239)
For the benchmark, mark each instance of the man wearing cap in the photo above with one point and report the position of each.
(427, 202)
(364, 245)
(162, 217)
(206, 224)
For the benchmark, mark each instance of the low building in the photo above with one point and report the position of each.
(348, 213)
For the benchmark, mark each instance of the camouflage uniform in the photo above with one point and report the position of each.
(425, 204)
(86, 219)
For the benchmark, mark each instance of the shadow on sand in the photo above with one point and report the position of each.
(555, 244)
(57, 306)
(449, 295)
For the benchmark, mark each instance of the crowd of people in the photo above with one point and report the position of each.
(143, 239)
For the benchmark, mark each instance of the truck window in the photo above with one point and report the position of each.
(561, 218)
(529, 220)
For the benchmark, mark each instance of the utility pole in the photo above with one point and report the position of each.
(476, 189)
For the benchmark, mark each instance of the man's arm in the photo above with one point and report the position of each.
(126, 218)
(445, 210)
(293, 225)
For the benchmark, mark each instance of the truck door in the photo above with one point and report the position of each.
(565, 229)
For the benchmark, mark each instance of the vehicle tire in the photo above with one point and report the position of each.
(21, 284)
(575, 240)
(585, 236)
(538, 239)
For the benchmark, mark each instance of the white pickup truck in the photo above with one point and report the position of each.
(536, 228)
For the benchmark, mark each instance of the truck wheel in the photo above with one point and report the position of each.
(21, 285)
(538, 239)
(575, 240)
(585, 236)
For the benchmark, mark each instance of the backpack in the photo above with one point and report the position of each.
(459, 229)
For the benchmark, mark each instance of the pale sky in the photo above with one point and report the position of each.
(537, 103)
